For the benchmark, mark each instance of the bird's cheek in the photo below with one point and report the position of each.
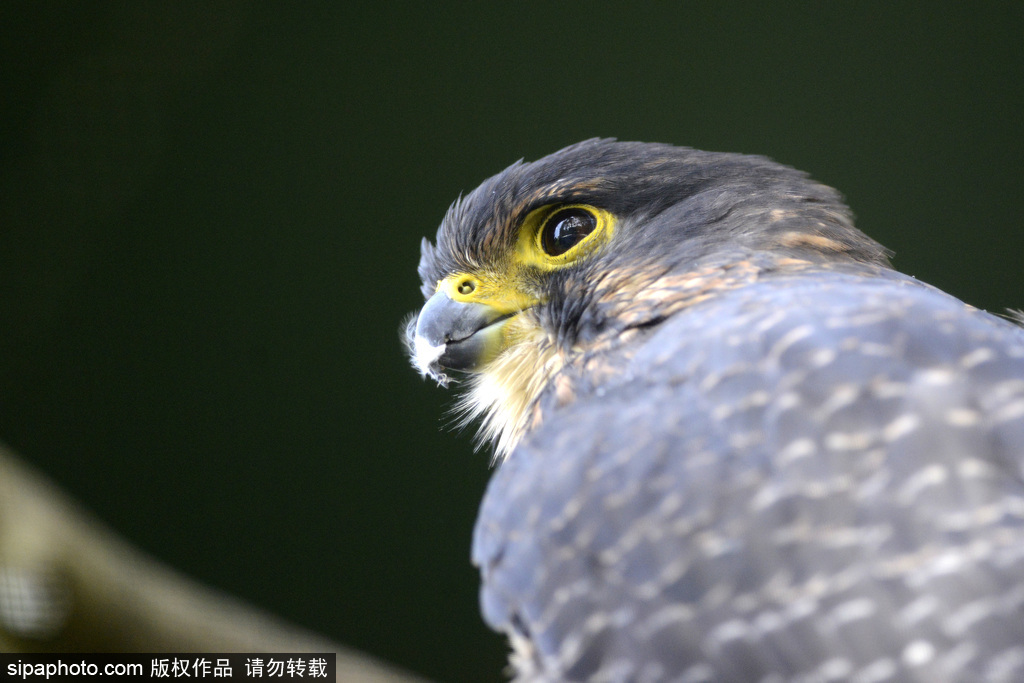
(519, 329)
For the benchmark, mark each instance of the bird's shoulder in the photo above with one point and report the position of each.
(730, 459)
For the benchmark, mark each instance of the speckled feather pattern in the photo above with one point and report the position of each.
(753, 452)
(818, 478)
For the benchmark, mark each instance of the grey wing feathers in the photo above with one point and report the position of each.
(813, 479)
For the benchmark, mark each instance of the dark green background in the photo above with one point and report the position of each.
(210, 218)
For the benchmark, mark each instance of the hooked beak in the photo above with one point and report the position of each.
(455, 335)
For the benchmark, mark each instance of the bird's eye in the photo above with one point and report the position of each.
(557, 235)
(565, 229)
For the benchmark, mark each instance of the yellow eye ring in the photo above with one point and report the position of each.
(557, 235)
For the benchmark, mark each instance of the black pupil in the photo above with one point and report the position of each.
(566, 229)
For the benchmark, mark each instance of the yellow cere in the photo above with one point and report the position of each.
(493, 289)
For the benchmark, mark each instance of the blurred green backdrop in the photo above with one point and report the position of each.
(210, 217)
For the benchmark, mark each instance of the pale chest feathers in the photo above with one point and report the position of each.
(505, 393)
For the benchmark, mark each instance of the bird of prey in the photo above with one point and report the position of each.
(732, 443)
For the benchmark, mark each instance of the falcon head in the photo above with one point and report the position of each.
(549, 263)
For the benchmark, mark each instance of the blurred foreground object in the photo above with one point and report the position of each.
(68, 584)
